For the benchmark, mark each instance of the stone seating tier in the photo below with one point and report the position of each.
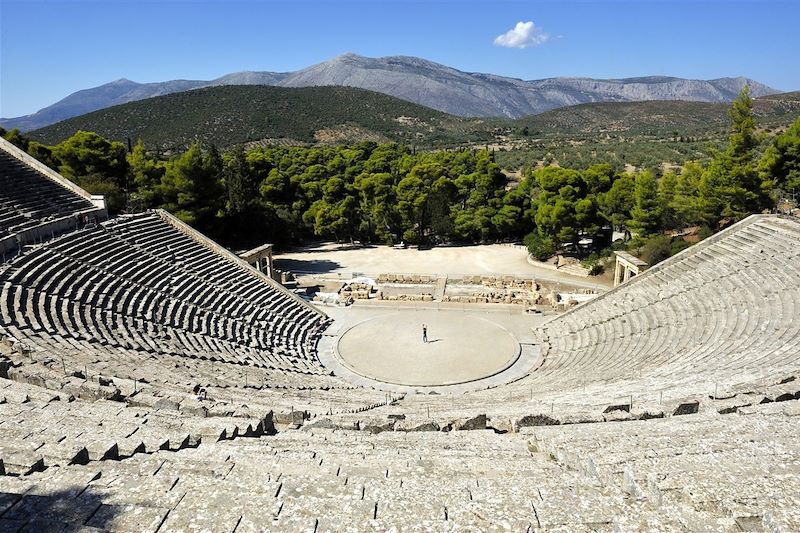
(104, 289)
(716, 319)
(680, 474)
(27, 197)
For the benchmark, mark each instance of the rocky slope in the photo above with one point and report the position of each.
(420, 81)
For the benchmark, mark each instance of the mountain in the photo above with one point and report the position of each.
(258, 114)
(486, 95)
(87, 100)
(424, 82)
(123, 91)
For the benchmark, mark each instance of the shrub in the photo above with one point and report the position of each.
(704, 233)
(656, 249)
(596, 269)
(542, 248)
(678, 245)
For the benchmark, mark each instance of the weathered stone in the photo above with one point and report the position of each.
(24, 375)
(21, 462)
(535, 420)
(142, 399)
(130, 446)
(687, 408)
(128, 518)
(293, 418)
(472, 423)
(376, 425)
(167, 404)
(647, 413)
(102, 450)
(618, 407)
(320, 423)
(192, 407)
(500, 425)
(220, 410)
(579, 417)
(64, 453)
(90, 390)
(617, 416)
(410, 424)
(5, 366)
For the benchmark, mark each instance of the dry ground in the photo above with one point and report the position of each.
(490, 259)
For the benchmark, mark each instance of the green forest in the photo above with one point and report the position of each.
(388, 193)
(231, 115)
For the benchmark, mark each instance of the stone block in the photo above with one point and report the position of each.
(127, 517)
(617, 416)
(5, 366)
(329, 423)
(500, 425)
(102, 450)
(647, 412)
(90, 390)
(617, 407)
(194, 407)
(167, 404)
(376, 425)
(179, 442)
(21, 462)
(535, 420)
(416, 425)
(296, 418)
(130, 446)
(221, 409)
(687, 408)
(579, 417)
(64, 453)
(472, 423)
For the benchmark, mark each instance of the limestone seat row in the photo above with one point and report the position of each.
(697, 473)
(27, 197)
(41, 428)
(140, 284)
(718, 318)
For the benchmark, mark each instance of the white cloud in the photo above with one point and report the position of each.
(523, 35)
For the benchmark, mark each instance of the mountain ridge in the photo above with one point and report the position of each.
(418, 80)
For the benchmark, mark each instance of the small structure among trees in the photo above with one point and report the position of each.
(627, 266)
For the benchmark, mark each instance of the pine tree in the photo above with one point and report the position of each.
(646, 212)
(731, 187)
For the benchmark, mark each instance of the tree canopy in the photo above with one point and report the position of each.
(387, 193)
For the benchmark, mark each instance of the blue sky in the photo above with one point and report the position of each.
(49, 49)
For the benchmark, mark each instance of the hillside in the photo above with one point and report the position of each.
(657, 118)
(466, 94)
(231, 115)
(637, 134)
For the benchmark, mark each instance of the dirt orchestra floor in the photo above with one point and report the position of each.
(460, 348)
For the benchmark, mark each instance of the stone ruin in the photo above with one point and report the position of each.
(670, 403)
